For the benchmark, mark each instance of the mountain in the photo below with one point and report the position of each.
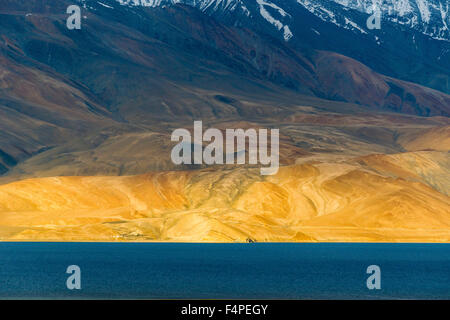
(133, 68)
(87, 117)
(431, 17)
(166, 55)
(413, 43)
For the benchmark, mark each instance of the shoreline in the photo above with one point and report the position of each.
(210, 242)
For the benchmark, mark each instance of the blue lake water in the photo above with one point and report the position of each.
(224, 271)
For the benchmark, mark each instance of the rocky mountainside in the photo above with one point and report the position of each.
(129, 68)
(413, 43)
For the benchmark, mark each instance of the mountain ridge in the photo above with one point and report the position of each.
(406, 47)
(431, 17)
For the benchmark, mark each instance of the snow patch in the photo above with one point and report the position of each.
(104, 5)
(287, 33)
(424, 10)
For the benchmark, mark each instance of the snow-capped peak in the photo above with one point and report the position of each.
(431, 17)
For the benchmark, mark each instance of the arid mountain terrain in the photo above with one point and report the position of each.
(86, 118)
(373, 198)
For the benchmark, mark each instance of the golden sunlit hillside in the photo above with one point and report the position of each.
(373, 198)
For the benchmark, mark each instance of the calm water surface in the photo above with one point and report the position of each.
(229, 271)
